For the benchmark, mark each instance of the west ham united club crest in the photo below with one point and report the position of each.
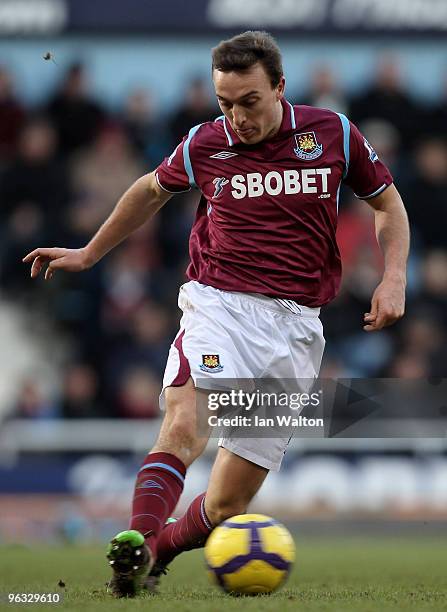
(211, 363)
(307, 147)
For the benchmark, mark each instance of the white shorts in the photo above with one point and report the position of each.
(231, 335)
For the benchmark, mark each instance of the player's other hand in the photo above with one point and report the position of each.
(387, 304)
(72, 260)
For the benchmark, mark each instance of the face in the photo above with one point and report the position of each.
(249, 102)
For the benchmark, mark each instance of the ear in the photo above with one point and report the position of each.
(280, 88)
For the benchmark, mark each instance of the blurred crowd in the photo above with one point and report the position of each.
(64, 165)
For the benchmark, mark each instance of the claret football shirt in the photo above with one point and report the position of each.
(267, 217)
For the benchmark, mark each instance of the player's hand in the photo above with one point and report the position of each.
(387, 304)
(72, 260)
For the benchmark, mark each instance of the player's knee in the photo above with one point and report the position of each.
(179, 436)
(183, 434)
(220, 510)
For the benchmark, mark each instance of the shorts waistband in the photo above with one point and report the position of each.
(282, 306)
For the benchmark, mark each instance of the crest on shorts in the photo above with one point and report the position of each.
(211, 363)
(307, 146)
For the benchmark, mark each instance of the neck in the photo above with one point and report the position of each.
(278, 120)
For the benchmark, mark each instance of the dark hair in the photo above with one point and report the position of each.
(247, 49)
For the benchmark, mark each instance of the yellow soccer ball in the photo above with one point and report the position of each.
(249, 554)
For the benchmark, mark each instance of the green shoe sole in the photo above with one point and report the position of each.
(131, 561)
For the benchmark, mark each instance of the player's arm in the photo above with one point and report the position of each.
(140, 202)
(393, 236)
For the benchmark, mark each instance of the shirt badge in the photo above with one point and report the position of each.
(372, 154)
(211, 364)
(219, 183)
(307, 147)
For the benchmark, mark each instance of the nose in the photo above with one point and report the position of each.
(238, 116)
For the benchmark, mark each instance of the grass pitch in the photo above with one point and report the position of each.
(340, 575)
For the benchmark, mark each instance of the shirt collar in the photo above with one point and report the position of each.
(288, 123)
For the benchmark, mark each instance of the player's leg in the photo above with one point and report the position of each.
(233, 483)
(161, 477)
(158, 487)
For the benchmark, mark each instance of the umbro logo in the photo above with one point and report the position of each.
(150, 484)
(223, 155)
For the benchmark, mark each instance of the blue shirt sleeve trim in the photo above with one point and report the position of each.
(187, 158)
(346, 140)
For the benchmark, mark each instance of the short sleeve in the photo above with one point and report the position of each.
(171, 173)
(367, 175)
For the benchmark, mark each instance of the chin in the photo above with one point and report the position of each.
(253, 139)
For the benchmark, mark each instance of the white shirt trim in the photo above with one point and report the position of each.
(168, 190)
(374, 193)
